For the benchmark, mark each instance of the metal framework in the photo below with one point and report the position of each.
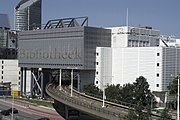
(67, 22)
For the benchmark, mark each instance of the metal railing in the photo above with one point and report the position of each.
(119, 111)
(52, 91)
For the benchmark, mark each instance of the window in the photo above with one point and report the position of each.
(2, 62)
(157, 64)
(158, 54)
(2, 67)
(97, 54)
(2, 72)
(157, 85)
(157, 74)
(19, 78)
(1, 77)
(97, 63)
(96, 82)
(97, 72)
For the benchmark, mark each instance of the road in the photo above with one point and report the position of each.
(29, 112)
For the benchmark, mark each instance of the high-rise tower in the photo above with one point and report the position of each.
(28, 14)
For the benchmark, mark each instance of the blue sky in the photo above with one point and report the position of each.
(160, 14)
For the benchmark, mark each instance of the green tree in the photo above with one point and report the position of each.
(141, 97)
(173, 87)
(127, 93)
(92, 89)
(113, 92)
(165, 115)
(141, 92)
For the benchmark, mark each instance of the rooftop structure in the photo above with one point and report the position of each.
(134, 36)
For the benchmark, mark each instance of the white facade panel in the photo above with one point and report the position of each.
(103, 75)
(159, 65)
(10, 72)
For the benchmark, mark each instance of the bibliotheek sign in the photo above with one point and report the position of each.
(53, 54)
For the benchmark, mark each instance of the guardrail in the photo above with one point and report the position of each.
(82, 105)
(117, 113)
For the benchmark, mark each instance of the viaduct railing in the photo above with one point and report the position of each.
(89, 104)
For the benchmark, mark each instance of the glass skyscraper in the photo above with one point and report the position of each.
(28, 15)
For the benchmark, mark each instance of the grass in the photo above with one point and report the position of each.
(40, 102)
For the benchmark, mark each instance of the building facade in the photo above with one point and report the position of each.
(134, 36)
(64, 49)
(28, 15)
(10, 72)
(159, 65)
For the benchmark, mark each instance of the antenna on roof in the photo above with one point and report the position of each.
(127, 17)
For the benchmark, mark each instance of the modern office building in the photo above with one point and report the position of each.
(10, 72)
(134, 52)
(4, 21)
(159, 65)
(8, 38)
(134, 36)
(28, 15)
(62, 45)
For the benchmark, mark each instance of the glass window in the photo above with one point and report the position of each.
(157, 74)
(158, 54)
(157, 85)
(96, 82)
(157, 64)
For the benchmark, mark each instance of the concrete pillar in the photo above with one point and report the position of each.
(42, 85)
(60, 79)
(66, 112)
(24, 85)
(21, 88)
(32, 82)
(78, 82)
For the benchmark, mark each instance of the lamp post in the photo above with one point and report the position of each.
(103, 96)
(178, 100)
(12, 114)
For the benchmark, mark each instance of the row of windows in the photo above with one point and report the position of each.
(3, 77)
(158, 54)
(158, 64)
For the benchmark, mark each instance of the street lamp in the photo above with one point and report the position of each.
(178, 100)
(12, 114)
(103, 96)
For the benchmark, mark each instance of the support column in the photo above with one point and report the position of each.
(24, 81)
(66, 112)
(78, 81)
(32, 82)
(21, 82)
(60, 78)
(71, 82)
(42, 85)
